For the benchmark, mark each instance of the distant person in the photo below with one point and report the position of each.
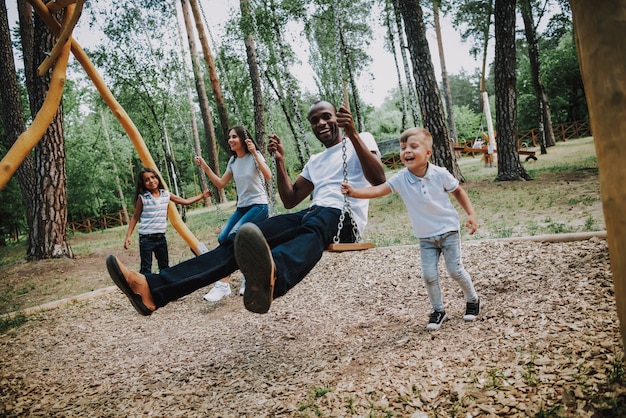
(424, 188)
(276, 254)
(151, 213)
(249, 170)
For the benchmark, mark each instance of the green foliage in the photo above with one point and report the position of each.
(465, 90)
(12, 218)
(468, 123)
(563, 82)
(320, 30)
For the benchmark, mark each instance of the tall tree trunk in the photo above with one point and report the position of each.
(203, 100)
(356, 110)
(426, 86)
(545, 117)
(600, 28)
(288, 118)
(407, 71)
(509, 166)
(204, 183)
(118, 184)
(49, 231)
(302, 145)
(215, 82)
(27, 37)
(13, 114)
(394, 51)
(255, 78)
(483, 69)
(444, 73)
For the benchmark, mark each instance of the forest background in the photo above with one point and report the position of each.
(145, 61)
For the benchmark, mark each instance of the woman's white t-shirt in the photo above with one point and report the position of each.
(249, 181)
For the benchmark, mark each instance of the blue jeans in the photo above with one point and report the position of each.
(149, 244)
(448, 244)
(252, 213)
(297, 241)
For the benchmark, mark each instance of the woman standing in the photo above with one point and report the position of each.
(248, 169)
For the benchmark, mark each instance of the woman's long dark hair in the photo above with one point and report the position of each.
(243, 134)
(141, 189)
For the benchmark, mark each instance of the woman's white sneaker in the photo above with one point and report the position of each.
(220, 289)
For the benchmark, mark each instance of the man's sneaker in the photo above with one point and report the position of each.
(255, 261)
(436, 319)
(472, 310)
(242, 289)
(220, 289)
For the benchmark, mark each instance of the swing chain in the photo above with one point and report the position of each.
(347, 208)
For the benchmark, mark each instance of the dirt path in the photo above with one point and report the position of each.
(348, 341)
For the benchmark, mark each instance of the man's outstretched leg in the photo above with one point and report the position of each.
(257, 265)
(133, 284)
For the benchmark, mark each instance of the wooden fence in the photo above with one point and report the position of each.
(562, 132)
(97, 224)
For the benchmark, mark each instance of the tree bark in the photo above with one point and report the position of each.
(509, 165)
(394, 51)
(203, 100)
(407, 71)
(49, 230)
(118, 184)
(545, 117)
(204, 183)
(13, 114)
(356, 110)
(255, 78)
(427, 88)
(444, 74)
(214, 79)
(600, 28)
(302, 145)
(483, 69)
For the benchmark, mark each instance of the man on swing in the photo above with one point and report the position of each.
(277, 253)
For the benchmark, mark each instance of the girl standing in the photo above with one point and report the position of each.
(250, 171)
(151, 212)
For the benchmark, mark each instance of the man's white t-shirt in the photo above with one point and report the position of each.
(325, 171)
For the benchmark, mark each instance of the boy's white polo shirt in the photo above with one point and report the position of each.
(427, 200)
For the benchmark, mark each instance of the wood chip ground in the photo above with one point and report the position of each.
(350, 340)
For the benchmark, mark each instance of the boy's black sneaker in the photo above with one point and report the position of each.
(436, 319)
(472, 309)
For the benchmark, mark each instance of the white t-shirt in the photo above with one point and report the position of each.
(325, 171)
(249, 181)
(427, 201)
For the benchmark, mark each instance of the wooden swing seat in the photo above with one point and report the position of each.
(349, 246)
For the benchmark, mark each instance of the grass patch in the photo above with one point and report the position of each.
(11, 322)
(563, 197)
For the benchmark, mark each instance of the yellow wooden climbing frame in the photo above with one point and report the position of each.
(58, 60)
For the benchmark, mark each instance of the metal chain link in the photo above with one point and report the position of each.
(347, 208)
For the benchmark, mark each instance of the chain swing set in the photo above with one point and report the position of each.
(57, 60)
(357, 245)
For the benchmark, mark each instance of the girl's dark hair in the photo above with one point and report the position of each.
(243, 134)
(141, 189)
